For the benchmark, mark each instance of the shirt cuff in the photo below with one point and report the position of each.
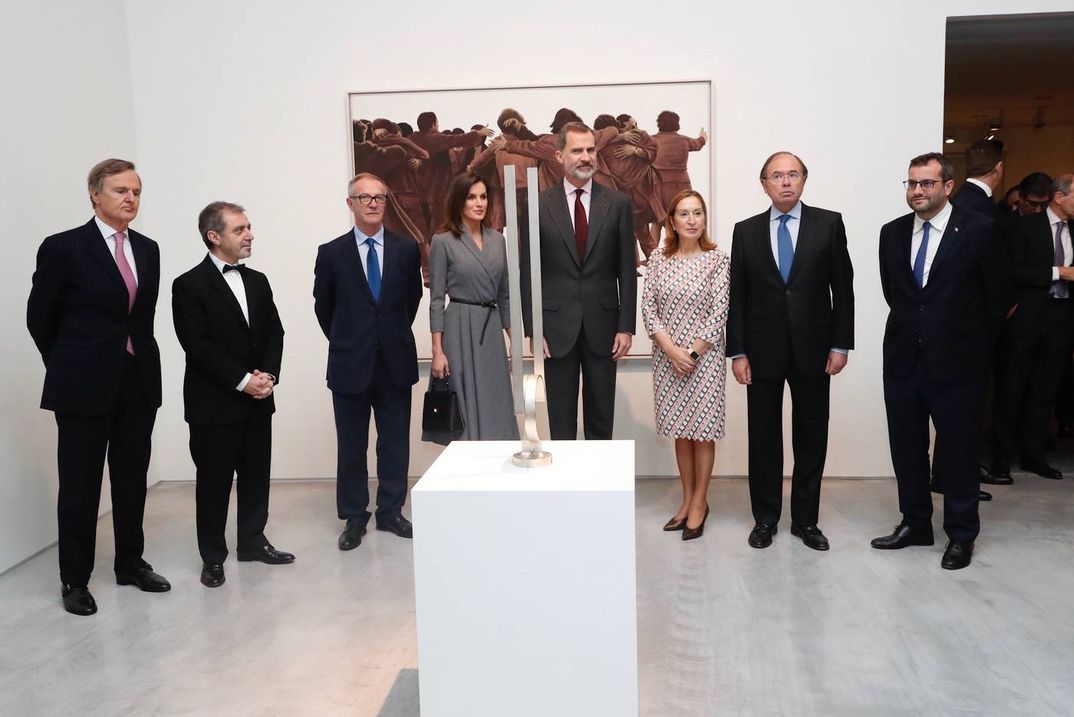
(244, 381)
(1055, 273)
(840, 351)
(737, 356)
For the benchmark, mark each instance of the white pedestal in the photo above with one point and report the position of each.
(525, 582)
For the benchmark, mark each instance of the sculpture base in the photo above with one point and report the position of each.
(532, 459)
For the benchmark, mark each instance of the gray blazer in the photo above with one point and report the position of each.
(599, 292)
(460, 270)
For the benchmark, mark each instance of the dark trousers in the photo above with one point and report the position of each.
(809, 439)
(221, 453)
(598, 392)
(1030, 374)
(955, 410)
(123, 434)
(391, 411)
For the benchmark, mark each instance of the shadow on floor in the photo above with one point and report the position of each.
(402, 699)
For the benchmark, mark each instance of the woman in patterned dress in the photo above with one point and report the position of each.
(684, 307)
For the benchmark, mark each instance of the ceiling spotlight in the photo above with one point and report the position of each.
(991, 136)
(994, 127)
(949, 140)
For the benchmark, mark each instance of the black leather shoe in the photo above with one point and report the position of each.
(902, 537)
(212, 575)
(77, 600)
(1041, 468)
(811, 536)
(983, 495)
(398, 525)
(761, 535)
(997, 473)
(351, 537)
(145, 579)
(958, 555)
(265, 554)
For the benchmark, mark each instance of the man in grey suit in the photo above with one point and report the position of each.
(589, 287)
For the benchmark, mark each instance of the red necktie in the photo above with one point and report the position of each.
(127, 273)
(581, 225)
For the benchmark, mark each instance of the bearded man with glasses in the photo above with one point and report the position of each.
(947, 288)
(366, 290)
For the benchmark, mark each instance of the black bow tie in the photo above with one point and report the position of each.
(234, 267)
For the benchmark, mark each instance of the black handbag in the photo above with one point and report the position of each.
(441, 418)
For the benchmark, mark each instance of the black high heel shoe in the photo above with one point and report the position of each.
(673, 525)
(691, 533)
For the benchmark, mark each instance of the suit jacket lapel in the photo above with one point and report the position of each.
(140, 247)
(764, 245)
(948, 241)
(389, 266)
(217, 281)
(98, 249)
(903, 240)
(562, 219)
(598, 210)
(807, 233)
(479, 255)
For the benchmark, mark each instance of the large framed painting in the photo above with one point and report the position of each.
(653, 141)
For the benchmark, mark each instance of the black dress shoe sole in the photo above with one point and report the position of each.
(997, 480)
(1043, 473)
(262, 558)
(907, 543)
(143, 586)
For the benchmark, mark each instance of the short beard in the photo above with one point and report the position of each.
(583, 174)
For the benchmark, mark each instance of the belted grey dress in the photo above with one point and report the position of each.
(473, 339)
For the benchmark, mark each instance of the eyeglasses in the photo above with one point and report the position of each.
(778, 177)
(926, 184)
(367, 199)
(1035, 204)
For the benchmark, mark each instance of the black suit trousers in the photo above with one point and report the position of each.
(123, 434)
(809, 440)
(390, 406)
(1031, 369)
(955, 410)
(221, 452)
(598, 392)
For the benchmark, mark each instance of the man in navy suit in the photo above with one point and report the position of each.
(90, 314)
(943, 277)
(366, 290)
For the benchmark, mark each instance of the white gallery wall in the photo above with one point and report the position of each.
(247, 101)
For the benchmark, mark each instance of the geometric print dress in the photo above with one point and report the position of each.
(687, 297)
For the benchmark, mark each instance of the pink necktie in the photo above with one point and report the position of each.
(128, 278)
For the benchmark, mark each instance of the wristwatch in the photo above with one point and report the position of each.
(694, 355)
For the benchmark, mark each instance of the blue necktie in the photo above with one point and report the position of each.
(919, 260)
(372, 270)
(786, 249)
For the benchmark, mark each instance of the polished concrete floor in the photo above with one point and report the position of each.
(723, 629)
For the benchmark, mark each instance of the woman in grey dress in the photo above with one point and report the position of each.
(468, 265)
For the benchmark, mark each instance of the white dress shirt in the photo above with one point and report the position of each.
(1068, 255)
(363, 249)
(937, 225)
(587, 196)
(110, 240)
(233, 279)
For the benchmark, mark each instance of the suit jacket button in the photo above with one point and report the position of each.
(921, 308)
(788, 292)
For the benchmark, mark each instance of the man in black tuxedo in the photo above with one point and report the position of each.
(1040, 333)
(943, 277)
(791, 320)
(589, 288)
(366, 290)
(90, 313)
(230, 330)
